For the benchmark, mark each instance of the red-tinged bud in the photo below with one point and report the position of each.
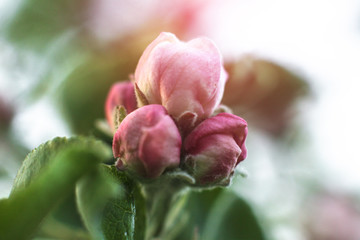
(215, 147)
(120, 94)
(147, 142)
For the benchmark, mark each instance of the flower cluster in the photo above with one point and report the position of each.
(171, 121)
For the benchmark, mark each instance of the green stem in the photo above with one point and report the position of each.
(160, 198)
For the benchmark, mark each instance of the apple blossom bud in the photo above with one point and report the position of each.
(120, 94)
(215, 147)
(186, 78)
(147, 142)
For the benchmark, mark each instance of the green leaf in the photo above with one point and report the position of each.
(37, 160)
(111, 205)
(231, 217)
(65, 218)
(92, 194)
(66, 214)
(47, 176)
(215, 214)
(192, 218)
(125, 216)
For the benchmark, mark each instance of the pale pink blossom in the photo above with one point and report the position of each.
(187, 78)
(332, 217)
(147, 142)
(215, 147)
(120, 94)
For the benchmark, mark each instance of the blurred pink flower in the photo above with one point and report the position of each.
(147, 142)
(111, 20)
(215, 147)
(263, 92)
(333, 217)
(120, 94)
(186, 78)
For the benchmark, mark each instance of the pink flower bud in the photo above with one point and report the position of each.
(121, 94)
(186, 78)
(215, 147)
(147, 142)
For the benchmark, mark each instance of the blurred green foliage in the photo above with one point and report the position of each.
(41, 157)
(44, 203)
(70, 57)
(47, 177)
(231, 217)
(219, 214)
(122, 216)
(83, 92)
(37, 23)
